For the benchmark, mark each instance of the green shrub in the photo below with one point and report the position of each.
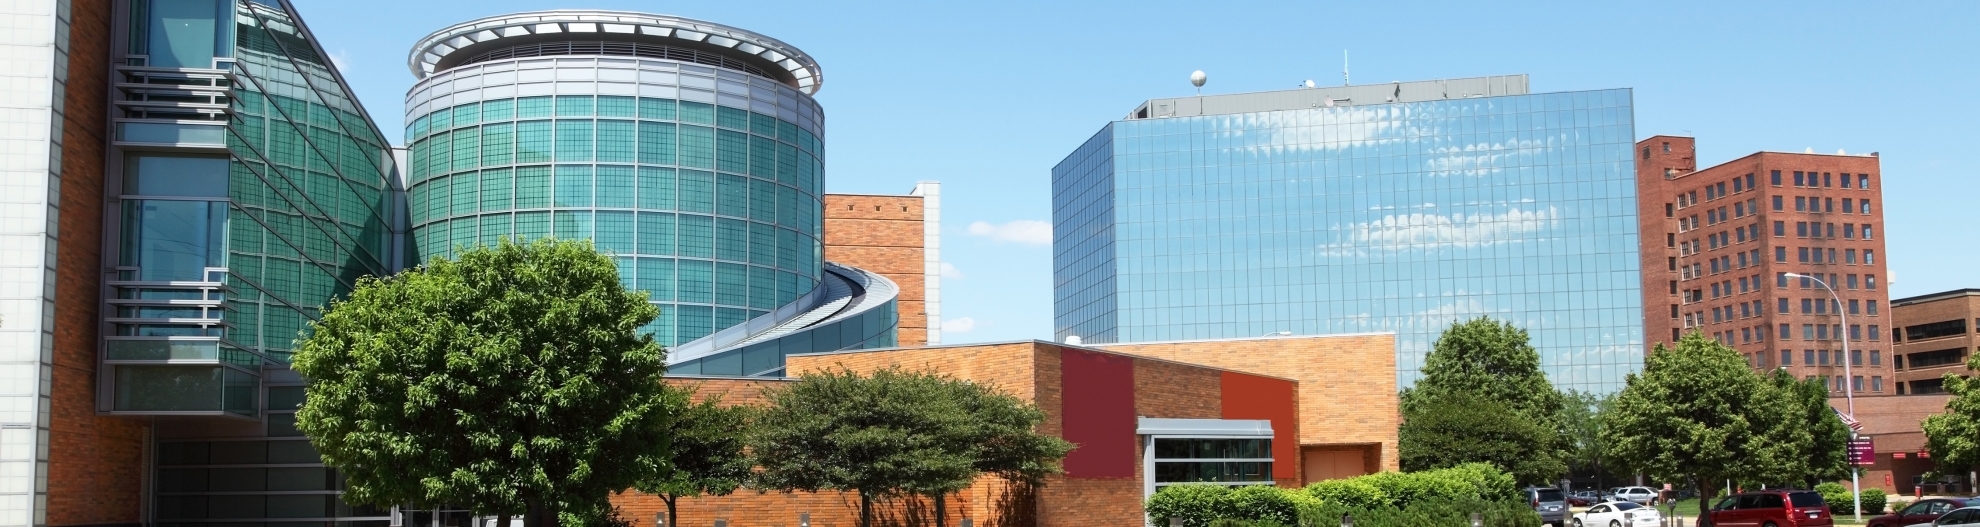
(1873, 501)
(1262, 503)
(1353, 493)
(1197, 505)
(1838, 498)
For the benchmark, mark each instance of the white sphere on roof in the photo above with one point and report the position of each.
(1198, 78)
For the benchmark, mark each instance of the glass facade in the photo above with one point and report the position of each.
(713, 210)
(1402, 217)
(242, 210)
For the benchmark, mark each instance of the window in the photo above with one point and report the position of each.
(1866, 231)
(1829, 205)
(1668, 210)
(1670, 240)
(1846, 205)
(1869, 257)
(1871, 305)
(1856, 333)
(1801, 229)
(1787, 356)
(1851, 280)
(1777, 203)
(1863, 181)
(1870, 282)
(1798, 181)
(1646, 152)
(1222, 461)
(1780, 279)
(1800, 203)
(1876, 357)
(1875, 333)
(1803, 253)
(1786, 332)
(1808, 357)
(1849, 231)
(1849, 256)
(1807, 332)
(1853, 304)
(1780, 255)
(1856, 383)
(1876, 383)
(1845, 180)
(1826, 180)
(1774, 177)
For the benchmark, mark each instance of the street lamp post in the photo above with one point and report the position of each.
(1849, 385)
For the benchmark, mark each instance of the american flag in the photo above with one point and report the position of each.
(1854, 425)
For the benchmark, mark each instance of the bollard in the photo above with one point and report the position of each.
(1477, 520)
(804, 519)
(660, 519)
(721, 523)
(1175, 522)
(966, 522)
(1347, 520)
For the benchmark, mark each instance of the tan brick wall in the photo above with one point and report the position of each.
(883, 234)
(1347, 383)
(1955, 307)
(95, 466)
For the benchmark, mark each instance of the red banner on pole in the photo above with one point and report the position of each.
(1863, 452)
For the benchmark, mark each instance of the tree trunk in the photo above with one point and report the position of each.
(673, 518)
(502, 521)
(941, 510)
(1704, 505)
(539, 515)
(865, 510)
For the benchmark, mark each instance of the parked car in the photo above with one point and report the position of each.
(1772, 508)
(1618, 514)
(1584, 498)
(1639, 495)
(1550, 502)
(1967, 517)
(1922, 512)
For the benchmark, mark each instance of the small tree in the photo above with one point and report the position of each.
(1454, 430)
(1954, 437)
(896, 433)
(1816, 449)
(1697, 414)
(509, 380)
(707, 454)
(1486, 360)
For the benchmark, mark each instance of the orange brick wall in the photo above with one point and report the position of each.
(96, 463)
(883, 234)
(1347, 383)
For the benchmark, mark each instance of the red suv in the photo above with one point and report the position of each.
(1772, 508)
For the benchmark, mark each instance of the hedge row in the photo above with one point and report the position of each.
(1840, 501)
(1428, 498)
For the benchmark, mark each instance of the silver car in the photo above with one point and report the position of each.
(1550, 502)
(1638, 495)
(1967, 517)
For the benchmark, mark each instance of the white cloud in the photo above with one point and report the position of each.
(1419, 230)
(342, 60)
(958, 325)
(950, 272)
(1028, 232)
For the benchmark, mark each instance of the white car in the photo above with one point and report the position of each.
(1967, 517)
(1640, 495)
(1618, 514)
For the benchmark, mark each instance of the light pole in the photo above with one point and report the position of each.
(1849, 384)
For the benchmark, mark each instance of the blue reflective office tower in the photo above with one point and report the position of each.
(1398, 207)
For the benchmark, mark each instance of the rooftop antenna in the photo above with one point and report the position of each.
(1344, 68)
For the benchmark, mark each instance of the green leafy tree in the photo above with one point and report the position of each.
(707, 457)
(1461, 428)
(1697, 414)
(1487, 360)
(511, 380)
(1816, 449)
(896, 433)
(1581, 415)
(1954, 437)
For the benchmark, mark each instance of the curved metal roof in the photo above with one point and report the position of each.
(431, 53)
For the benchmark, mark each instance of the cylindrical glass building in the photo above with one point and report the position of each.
(691, 151)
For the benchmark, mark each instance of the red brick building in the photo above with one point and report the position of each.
(1113, 402)
(1718, 245)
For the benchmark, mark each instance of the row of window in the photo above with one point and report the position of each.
(1823, 180)
(1818, 255)
(627, 142)
(1815, 229)
(498, 110)
(1823, 205)
(628, 233)
(612, 186)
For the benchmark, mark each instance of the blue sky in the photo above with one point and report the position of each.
(985, 97)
